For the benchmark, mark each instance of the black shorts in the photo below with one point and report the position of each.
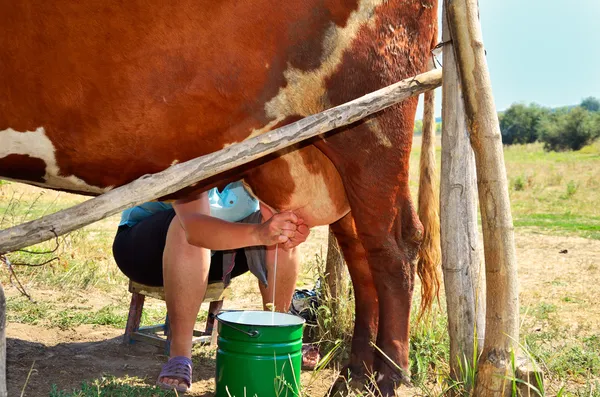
(138, 251)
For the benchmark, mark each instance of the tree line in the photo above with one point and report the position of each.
(418, 129)
(559, 129)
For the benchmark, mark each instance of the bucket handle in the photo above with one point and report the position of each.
(252, 333)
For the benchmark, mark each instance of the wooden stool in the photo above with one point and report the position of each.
(215, 293)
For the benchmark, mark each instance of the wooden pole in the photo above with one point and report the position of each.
(495, 368)
(3, 392)
(461, 265)
(335, 272)
(151, 187)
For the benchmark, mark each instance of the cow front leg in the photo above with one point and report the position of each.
(360, 368)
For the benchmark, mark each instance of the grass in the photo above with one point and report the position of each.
(570, 360)
(54, 314)
(555, 193)
(24, 311)
(113, 387)
(550, 192)
(562, 224)
(543, 310)
(568, 356)
(429, 347)
(335, 316)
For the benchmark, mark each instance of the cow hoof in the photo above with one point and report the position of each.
(387, 385)
(338, 389)
(347, 383)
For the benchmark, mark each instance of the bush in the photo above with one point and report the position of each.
(520, 123)
(519, 183)
(418, 128)
(569, 130)
(591, 104)
(571, 190)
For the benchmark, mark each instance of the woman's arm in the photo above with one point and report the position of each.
(205, 231)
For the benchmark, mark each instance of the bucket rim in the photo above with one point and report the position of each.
(300, 320)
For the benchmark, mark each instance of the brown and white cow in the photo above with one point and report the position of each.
(94, 94)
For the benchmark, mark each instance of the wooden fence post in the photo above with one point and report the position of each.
(502, 300)
(3, 392)
(461, 264)
(335, 272)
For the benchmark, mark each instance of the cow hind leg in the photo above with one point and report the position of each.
(360, 368)
(392, 259)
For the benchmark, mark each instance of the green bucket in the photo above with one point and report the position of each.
(259, 354)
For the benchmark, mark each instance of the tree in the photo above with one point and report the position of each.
(418, 129)
(570, 130)
(520, 123)
(590, 103)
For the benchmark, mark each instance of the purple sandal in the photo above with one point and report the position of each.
(179, 367)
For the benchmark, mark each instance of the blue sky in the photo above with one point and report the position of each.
(543, 51)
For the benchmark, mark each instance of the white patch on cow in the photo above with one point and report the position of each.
(305, 91)
(305, 94)
(266, 128)
(37, 145)
(380, 137)
(311, 199)
(174, 162)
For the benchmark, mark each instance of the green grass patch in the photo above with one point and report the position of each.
(429, 346)
(55, 314)
(113, 387)
(556, 192)
(534, 153)
(564, 357)
(543, 310)
(584, 226)
(569, 357)
(108, 315)
(22, 310)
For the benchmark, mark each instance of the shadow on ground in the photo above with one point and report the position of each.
(68, 364)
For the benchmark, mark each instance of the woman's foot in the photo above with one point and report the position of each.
(310, 357)
(176, 374)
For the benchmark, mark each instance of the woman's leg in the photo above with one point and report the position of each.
(185, 274)
(288, 265)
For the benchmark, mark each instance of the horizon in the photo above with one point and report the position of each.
(552, 69)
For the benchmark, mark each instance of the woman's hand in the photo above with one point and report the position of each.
(302, 232)
(284, 228)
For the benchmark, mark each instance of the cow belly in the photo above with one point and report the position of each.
(304, 181)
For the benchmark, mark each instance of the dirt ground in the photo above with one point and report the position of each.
(562, 271)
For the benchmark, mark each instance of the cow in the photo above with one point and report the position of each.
(96, 94)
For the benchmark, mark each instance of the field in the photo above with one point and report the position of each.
(65, 339)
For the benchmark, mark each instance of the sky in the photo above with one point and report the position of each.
(542, 51)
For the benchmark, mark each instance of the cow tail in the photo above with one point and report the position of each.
(429, 257)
